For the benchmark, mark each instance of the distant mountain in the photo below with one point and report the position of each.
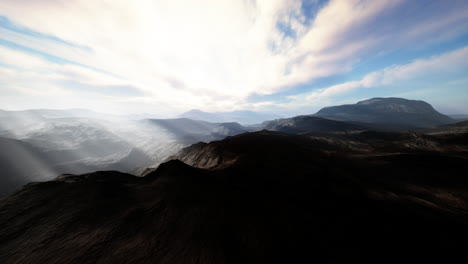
(22, 162)
(459, 117)
(459, 128)
(15, 119)
(243, 117)
(263, 197)
(46, 154)
(186, 129)
(311, 124)
(54, 113)
(79, 145)
(390, 111)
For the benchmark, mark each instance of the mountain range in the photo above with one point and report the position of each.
(259, 197)
(459, 117)
(349, 184)
(242, 117)
(45, 146)
(79, 140)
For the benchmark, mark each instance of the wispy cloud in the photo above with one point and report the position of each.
(423, 67)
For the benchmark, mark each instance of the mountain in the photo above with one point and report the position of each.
(459, 128)
(262, 197)
(397, 111)
(259, 147)
(243, 117)
(180, 133)
(197, 130)
(15, 119)
(459, 117)
(74, 142)
(23, 162)
(79, 145)
(20, 163)
(312, 124)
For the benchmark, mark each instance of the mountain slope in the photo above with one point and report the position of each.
(460, 117)
(312, 124)
(21, 163)
(388, 110)
(262, 197)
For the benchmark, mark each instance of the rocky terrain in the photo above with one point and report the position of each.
(313, 188)
(262, 197)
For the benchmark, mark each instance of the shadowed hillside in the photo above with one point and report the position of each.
(262, 197)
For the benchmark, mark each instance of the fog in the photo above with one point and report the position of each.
(54, 142)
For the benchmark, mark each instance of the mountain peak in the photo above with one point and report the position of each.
(388, 110)
(380, 100)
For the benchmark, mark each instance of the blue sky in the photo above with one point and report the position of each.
(283, 56)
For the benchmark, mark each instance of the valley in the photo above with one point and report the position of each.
(305, 188)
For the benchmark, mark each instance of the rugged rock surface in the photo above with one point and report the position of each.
(261, 197)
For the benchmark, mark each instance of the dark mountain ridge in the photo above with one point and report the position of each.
(262, 197)
(320, 189)
(309, 123)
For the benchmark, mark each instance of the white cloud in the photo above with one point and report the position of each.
(39, 68)
(210, 54)
(448, 62)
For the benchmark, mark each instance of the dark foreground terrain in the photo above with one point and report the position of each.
(263, 197)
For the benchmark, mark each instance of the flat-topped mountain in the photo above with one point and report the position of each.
(388, 110)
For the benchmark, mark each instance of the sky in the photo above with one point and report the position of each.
(288, 57)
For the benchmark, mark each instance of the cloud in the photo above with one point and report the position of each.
(446, 62)
(212, 54)
(22, 65)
